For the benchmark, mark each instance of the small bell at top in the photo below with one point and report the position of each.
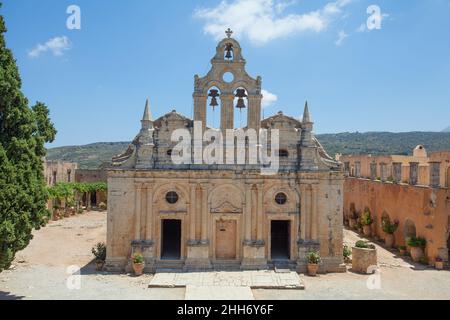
(229, 51)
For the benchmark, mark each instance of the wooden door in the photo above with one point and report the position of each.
(226, 240)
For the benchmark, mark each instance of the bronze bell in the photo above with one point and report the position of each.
(241, 94)
(214, 94)
(229, 51)
(241, 103)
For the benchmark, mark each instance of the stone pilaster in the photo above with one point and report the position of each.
(227, 112)
(435, 174)
(413, 173)
(254, 112)
(397, 172)
(373, 171)
(200, 101)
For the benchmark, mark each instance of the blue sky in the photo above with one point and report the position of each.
(95, 80)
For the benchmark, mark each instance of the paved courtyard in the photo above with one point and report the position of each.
(41, 272)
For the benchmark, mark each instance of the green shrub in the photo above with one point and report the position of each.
(366, 219)
(364, 245)
(313, 257)
(347, 252)
(138, 258)
(389, 227)
(99, 251)
(417, 242)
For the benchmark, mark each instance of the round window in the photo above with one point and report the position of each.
(228, 77)
(172, 197)
(281, 198)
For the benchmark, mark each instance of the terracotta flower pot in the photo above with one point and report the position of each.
(389, 240)
(439, 265)
(403, 252)
(367, 230)
(99, 265)
(416, 253)
(312, 269)
(138, 268)
(352, 223)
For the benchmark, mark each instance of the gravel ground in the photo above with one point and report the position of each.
(41, 272)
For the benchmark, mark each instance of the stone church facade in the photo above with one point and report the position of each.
(203, 217)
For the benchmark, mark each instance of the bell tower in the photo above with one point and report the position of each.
(228, 82)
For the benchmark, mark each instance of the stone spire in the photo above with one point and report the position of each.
(147, 122)
(306, 116)
(308, 148)
(145, 143)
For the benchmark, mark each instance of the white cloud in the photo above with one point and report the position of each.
(341, 37)
(268, 98)
(262, 20)
(56, 46)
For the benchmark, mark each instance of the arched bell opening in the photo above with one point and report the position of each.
(213, 108)
(241, 105)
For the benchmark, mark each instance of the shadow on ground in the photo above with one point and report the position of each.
(9, 296)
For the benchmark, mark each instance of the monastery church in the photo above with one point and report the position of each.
(197, 217)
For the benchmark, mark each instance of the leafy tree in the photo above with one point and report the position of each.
(23, 133)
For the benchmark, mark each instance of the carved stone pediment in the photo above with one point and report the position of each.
(226, 207)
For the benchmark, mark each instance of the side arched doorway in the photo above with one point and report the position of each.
(409, 230)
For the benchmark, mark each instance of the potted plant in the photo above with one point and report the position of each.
(439, 263)
(366, 222)
(313, 258)
(347, 253)
(99, 252)
(364, 257)
(138, 264)
(417, 245)
(403, 250)
(389, 229)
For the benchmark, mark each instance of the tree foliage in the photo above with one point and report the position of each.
(23, 133)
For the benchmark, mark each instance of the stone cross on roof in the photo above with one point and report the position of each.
(229, 32)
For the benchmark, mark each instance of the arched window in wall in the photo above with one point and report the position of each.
(213, 108)
(241, 104)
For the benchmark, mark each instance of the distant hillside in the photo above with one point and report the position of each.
(90, 156)
(446, 130)
(384, 143)
(377, 143)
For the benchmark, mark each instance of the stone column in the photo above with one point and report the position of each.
(358, 169)
(192, 213)
(137, 212)
(383, 172)
(248, 212)
(200, 101)
(435, 174)
(314, 214)
(149, 214)
(204, 232)
(373, 171)
(413, 173)
(227, 112)
(397, 172)
(254, 112)
(260, 215)
(254, 205)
